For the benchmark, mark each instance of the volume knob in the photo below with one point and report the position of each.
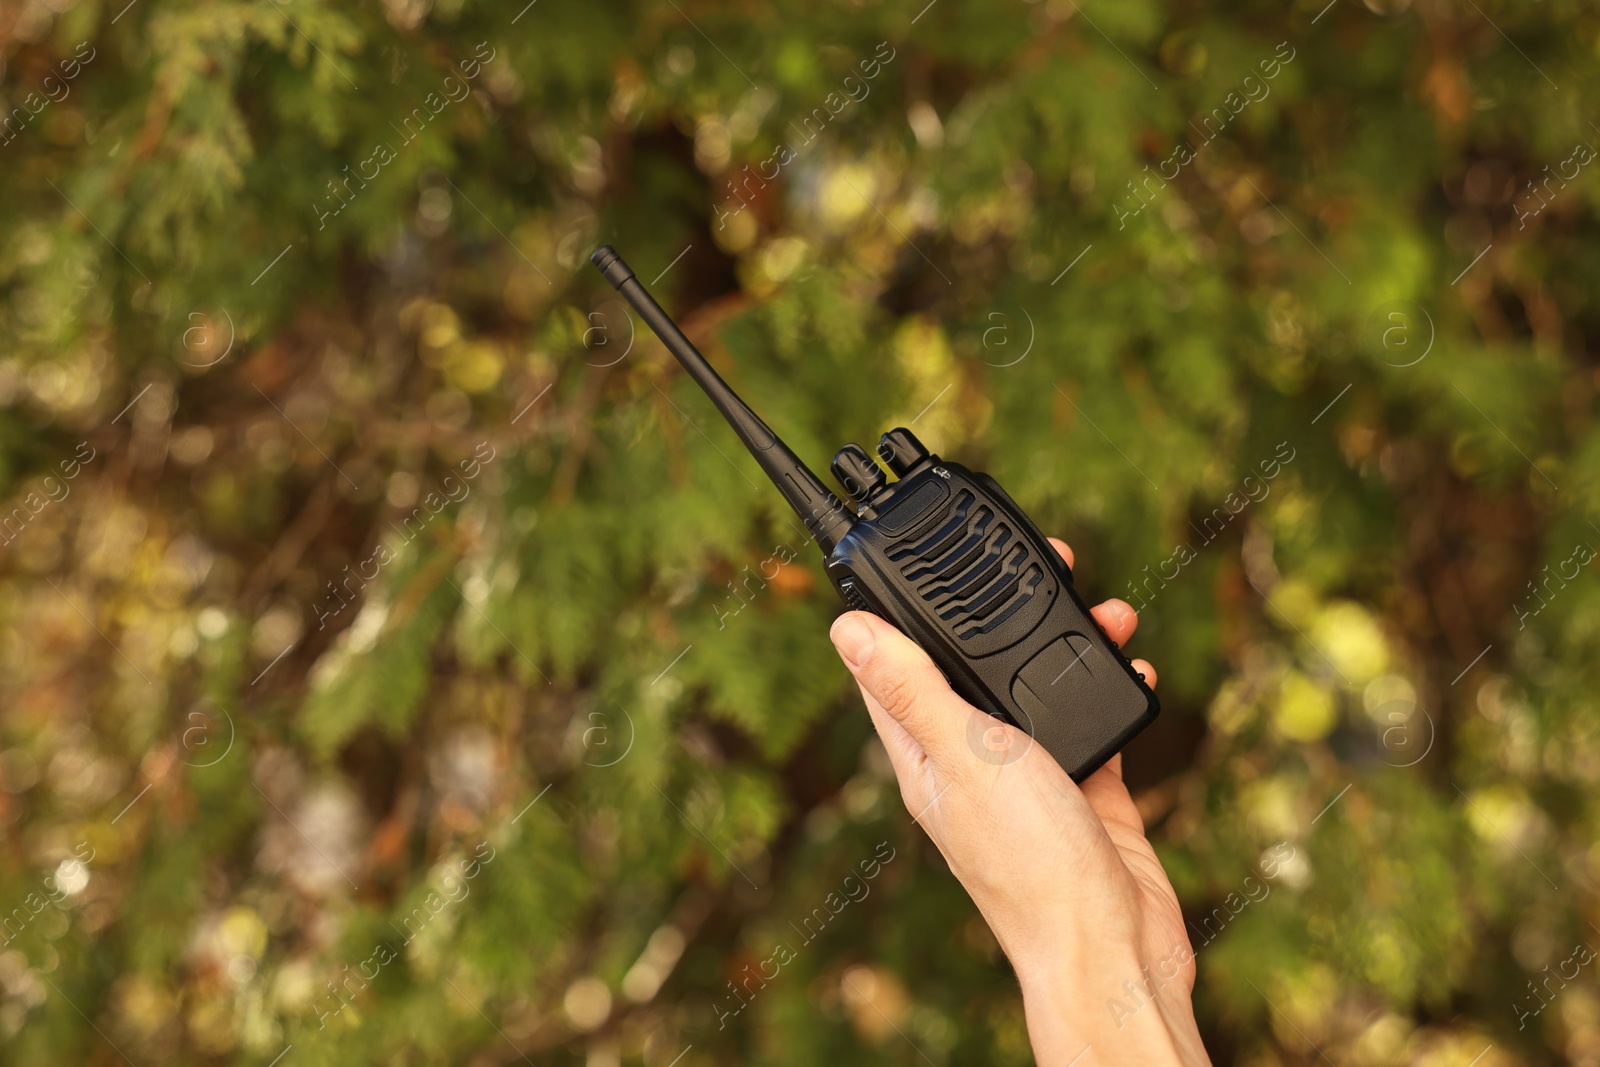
(861, 477)
(901, 450)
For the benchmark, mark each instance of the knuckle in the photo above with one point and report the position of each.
(895, 691)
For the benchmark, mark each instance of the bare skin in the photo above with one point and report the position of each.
(1063, 874)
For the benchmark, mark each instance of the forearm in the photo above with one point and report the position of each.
(1062, 873)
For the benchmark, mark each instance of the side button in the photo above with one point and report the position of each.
(851, 594)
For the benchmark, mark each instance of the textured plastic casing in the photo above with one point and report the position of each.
(949, 558)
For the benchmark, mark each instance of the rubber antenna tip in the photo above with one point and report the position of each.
(611, 265)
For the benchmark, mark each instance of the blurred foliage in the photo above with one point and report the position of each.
(401, 663)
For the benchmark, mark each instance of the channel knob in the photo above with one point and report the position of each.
(861, 477)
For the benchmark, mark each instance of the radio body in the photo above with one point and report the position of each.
(949, 558)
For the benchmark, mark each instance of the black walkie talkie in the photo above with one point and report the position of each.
(945, 555)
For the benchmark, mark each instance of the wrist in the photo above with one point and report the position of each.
(1115, 1011)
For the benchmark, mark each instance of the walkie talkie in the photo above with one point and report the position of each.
(951, 560)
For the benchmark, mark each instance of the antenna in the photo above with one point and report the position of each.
(823, 513)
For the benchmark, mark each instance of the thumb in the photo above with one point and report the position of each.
(903, 681)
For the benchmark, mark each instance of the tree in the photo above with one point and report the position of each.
(404, 665)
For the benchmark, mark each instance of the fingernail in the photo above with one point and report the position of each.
(854, 640)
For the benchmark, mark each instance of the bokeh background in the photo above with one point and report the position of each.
(401, 665)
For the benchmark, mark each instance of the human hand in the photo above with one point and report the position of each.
(1063, 874)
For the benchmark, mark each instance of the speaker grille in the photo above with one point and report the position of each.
(973, 571)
